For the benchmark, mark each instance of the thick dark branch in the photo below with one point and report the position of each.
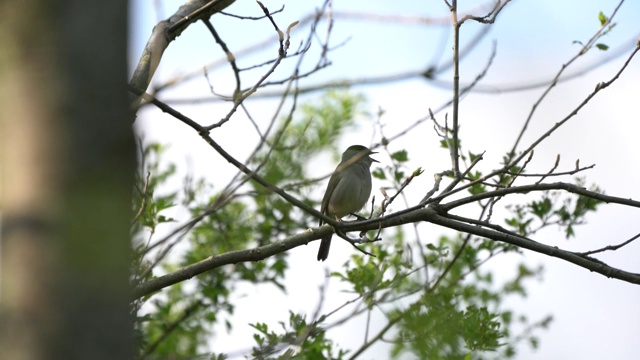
(429, 215)
(165, 32)
(232, 257)
(578, 259)
(192, 15)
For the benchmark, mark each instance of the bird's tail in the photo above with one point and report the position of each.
(323, 252)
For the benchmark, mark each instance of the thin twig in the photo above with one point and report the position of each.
(610, 247)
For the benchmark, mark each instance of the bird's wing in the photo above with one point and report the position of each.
(333, 182)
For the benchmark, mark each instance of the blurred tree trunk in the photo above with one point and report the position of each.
(67, 164)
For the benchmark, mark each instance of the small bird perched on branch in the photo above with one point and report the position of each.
(348, 190)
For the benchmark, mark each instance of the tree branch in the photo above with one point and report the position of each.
(575, 258)
(165, 32)
(542, 187)
(435, 215)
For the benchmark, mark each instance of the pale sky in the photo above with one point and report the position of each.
(594, 317)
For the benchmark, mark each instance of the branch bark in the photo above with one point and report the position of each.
(165, 32)
(433, 214)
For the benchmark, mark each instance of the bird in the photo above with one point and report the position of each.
(348, 189)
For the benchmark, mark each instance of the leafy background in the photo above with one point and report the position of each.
(597, 310)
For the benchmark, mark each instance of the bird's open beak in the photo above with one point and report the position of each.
(372, 159)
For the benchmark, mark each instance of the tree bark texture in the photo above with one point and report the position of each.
(67, 160)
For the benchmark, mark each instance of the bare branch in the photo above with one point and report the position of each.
(599, 87)
(555, 81)
(204, 133)
(542, 187)
(252, 17)
(454, 147)
(230, 58)
(610, 247)
(143, 196)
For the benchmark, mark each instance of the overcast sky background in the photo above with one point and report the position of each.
(594, 317)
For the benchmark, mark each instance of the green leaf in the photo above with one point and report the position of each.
(602, 47)
(474, 175)
(541, 208)
(378, 174)
(602, 18)
(400, 156)
(477, 189)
